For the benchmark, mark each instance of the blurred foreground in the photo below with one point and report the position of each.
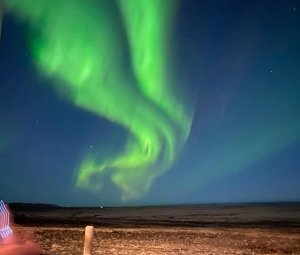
(235, 229)
(169, 240)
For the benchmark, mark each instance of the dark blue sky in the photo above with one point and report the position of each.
(237, 61)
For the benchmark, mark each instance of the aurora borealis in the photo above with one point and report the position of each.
(85, 55)
(149, 101)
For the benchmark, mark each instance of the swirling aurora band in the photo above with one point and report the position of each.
(81, 43)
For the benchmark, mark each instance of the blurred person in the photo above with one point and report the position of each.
(10, 242)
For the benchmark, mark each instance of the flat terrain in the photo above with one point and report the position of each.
(238, 229)
(216, 241)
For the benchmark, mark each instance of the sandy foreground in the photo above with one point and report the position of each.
(166, 230)
(167, 241)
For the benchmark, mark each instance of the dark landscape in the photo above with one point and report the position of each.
(192, 229)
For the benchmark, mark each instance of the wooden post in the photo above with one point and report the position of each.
(88, 240)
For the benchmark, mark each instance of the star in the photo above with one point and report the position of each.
(37, 123)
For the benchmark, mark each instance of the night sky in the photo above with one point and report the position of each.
(133, 102)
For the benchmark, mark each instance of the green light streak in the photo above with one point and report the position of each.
(80, 43)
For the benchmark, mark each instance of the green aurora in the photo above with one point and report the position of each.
(113, 58)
